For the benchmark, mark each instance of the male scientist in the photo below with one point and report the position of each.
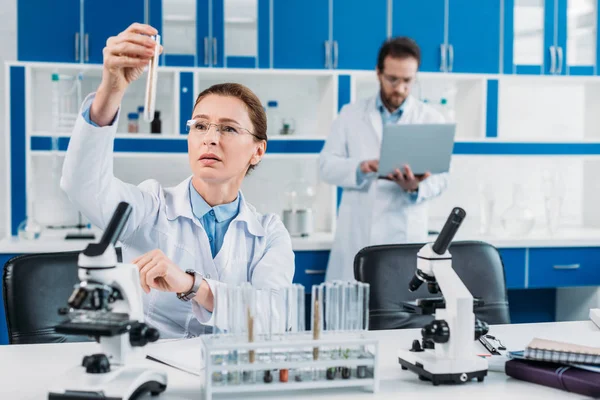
(378, 211)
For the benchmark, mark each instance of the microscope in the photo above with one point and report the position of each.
(447, 353)
(107, 305)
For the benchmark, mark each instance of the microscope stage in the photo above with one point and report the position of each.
(96, 324)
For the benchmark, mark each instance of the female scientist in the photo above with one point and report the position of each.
(189, 239)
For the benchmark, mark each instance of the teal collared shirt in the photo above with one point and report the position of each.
(214, 220)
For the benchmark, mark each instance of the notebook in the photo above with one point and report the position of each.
(562, 352)
(558, 376)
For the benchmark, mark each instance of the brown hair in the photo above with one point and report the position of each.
(398, 47)
(256, 112)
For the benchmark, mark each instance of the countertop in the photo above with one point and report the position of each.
(54, 241)
(30, 371)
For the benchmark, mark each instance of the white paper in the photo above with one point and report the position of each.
(185, 354)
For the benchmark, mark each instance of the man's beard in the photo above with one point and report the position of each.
(394, 101)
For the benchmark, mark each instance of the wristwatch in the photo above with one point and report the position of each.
(189, 295)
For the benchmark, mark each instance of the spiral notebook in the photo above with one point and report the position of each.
(562, 352)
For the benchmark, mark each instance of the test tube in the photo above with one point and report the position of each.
(248, 306)
(272, 323)
(363, 293)
(348, 318)
(317, 319)
(234, 326)
(298, 327)
(218, 358)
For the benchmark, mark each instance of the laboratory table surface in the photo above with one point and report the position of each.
(27, 371)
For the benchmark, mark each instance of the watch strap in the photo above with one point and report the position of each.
(190, 294)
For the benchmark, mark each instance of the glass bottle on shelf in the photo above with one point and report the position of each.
(518, 219)
(273, 118)
(288, 126)
(133, 122)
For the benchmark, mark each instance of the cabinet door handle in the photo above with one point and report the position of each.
(335, 54)
(86, 47)
(568, 266)
(205, 50)
(450, 57)
(560, 60)
(76, 46)
(315, 271)
(552, 60)
(214, 51)
(327, 53)
(443, 57)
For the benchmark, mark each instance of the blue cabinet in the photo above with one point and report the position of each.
(100, 21)
(474, 36)
(301, 34)
(54, 32)
(423, 21)
(514, 261)
(48, 31)
(359, 30)
(218, 33)
(553, 37)
(564, 267)
(310, 267)
(454, 35)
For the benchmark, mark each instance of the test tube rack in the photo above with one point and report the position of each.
(352, 356)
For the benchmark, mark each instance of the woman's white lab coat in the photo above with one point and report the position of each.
(257, 248)
(372, 211)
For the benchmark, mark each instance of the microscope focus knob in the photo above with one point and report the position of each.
(438, 331)
(96, 364)
(141, 334)
(481, 328)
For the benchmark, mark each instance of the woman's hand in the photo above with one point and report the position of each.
(158, 272)
(125, 57)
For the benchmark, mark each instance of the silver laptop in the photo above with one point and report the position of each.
(424, 147)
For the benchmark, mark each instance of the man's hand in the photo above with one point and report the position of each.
(369, 166)
(160, 273)
(407, 180)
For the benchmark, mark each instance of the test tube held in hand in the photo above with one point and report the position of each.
(150, 100)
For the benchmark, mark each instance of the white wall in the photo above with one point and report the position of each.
(8, 52)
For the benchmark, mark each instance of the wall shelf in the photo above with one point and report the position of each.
(137, 143)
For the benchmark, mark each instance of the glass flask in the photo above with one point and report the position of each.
(518, 219)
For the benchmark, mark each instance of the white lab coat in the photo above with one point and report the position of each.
(372, 211)
(256, 248)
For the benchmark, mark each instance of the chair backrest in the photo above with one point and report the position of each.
(389, 269)
(35, 287)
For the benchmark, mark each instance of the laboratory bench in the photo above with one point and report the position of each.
(30, 370)
(536, 265)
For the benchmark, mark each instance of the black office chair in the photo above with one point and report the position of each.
(389, 268)
(34, 287)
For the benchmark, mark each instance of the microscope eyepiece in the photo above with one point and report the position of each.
(452, 224)
(113, 230)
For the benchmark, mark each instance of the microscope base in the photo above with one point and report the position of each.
(440, 371)
(121, 383)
